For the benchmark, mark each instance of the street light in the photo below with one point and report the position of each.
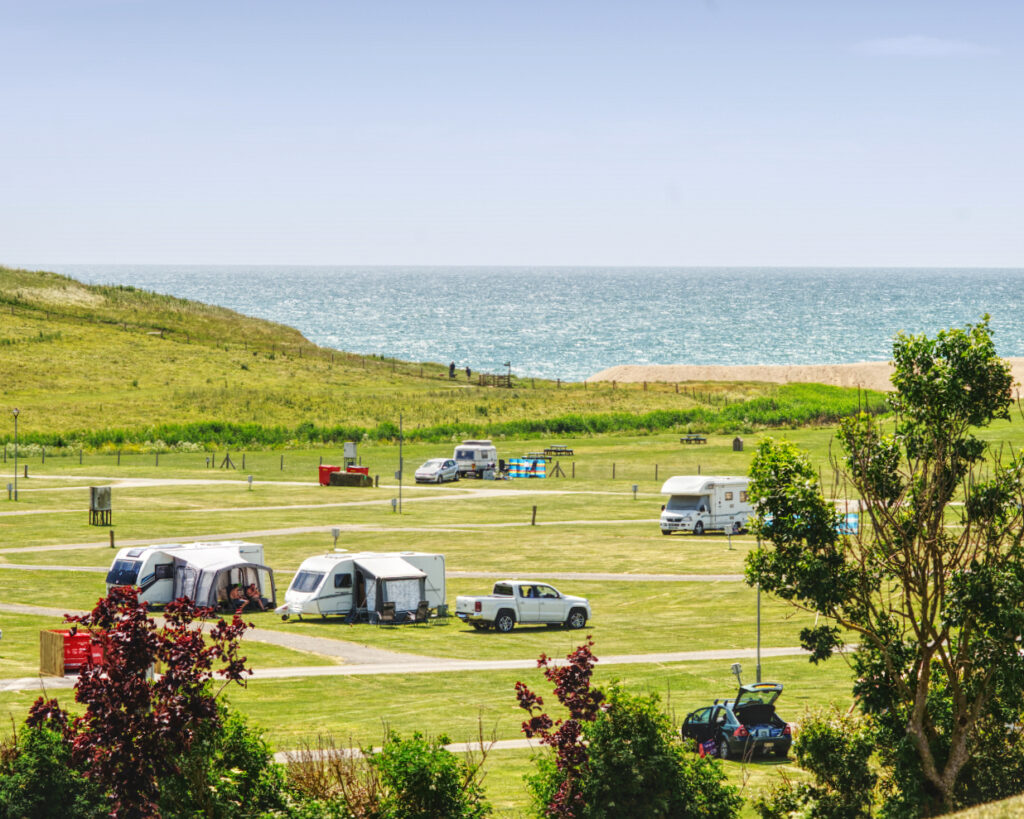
(14, 412)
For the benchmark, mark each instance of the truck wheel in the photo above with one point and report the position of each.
(284, 617)
(666, 531)
(505, 621)
(577, 619)
(736, 528)
(698, 528)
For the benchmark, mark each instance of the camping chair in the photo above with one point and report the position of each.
(387, 615)
(422, 614)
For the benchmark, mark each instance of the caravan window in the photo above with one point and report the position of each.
(163, 571)
(343, 581)
(683, 503)
(464, 454)
(307, 581)
(124, 573)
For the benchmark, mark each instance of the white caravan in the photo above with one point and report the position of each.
(204, 572)
(474, 457)
(700, 502)
(357, 584)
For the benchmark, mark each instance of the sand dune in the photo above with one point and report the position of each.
(872, 375)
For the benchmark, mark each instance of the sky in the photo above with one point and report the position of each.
(682, 133)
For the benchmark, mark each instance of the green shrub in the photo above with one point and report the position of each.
(637, 766)
(423, 780)
(37, 780)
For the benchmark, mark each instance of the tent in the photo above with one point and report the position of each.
(207, 575)
(391, 580)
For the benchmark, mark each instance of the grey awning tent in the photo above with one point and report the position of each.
(205, 577)
(391, 580)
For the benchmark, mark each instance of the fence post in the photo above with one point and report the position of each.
(44, 454)
(282, 463)
(79, 457)
(613, 470)
(111, 538)
(533, 519)
(243, 460)
(574, 469)
(655, 472)
(119, 457)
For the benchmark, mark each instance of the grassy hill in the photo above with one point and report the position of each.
(103, 366)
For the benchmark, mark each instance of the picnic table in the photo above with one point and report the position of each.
(693, 439)
(537, 456)
(558, 449)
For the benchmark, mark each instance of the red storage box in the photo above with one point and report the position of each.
(61, 651)
(325, 473)
(361, 470)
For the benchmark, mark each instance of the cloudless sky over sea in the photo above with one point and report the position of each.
(571, 323)
(458, 132)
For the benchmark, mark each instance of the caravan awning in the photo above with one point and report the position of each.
(389, 568)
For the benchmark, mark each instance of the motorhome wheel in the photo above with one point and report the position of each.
(285, 617)
(666, 531)
(698, 528)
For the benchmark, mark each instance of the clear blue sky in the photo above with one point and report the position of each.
(690, 132)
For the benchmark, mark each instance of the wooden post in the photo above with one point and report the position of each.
(613, 470)
(79, 457)
(243, 460)
(574, 469)
(645, 386)
(282, 463)
(119, 457)
(111, 538)
(533, 519)
(677, 389)
(321, 460)
(655, 472)
(158, 459)
(44, 454)
(558, 383)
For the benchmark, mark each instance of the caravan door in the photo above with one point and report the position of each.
(336, 593)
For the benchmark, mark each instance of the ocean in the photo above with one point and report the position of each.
(571, 323)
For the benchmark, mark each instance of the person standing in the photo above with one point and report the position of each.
(451, 370)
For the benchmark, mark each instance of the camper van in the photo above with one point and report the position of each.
(700, 502)
(204, 572)
(475, 457)
(357, 584)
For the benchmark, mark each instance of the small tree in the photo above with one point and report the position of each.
(619, 757)
(930, 589)
(136, 728)
(572, 687)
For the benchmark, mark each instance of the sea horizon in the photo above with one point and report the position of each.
(573, 322)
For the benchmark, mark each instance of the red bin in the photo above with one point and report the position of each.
(362, 470)
(325, 473)
(79, 649)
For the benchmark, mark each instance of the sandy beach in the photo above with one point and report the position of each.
(872, 375)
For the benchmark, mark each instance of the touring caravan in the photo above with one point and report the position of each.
(204, 572)
(357, 584)
(700, 502)
(475, 458)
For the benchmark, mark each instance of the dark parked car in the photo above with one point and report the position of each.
(744, 726)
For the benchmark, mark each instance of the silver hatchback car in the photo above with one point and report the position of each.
(438, 470)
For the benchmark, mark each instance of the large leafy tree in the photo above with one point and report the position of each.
(930, 591)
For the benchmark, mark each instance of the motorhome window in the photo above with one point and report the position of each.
(343, 581)
(682, 503)
(503, 590)
(163, 571)
(307, 581)
(728, 495)
(743, 497)
(124, 573)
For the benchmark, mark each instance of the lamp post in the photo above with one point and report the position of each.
(14, 412)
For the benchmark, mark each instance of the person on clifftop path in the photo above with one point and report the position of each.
(451, 370)
(469, 373)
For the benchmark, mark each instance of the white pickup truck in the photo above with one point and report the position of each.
(522, 601)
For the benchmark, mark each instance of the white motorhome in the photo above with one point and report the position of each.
(204, 572)
(475, 457)
(700, 502)
(357, 584)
